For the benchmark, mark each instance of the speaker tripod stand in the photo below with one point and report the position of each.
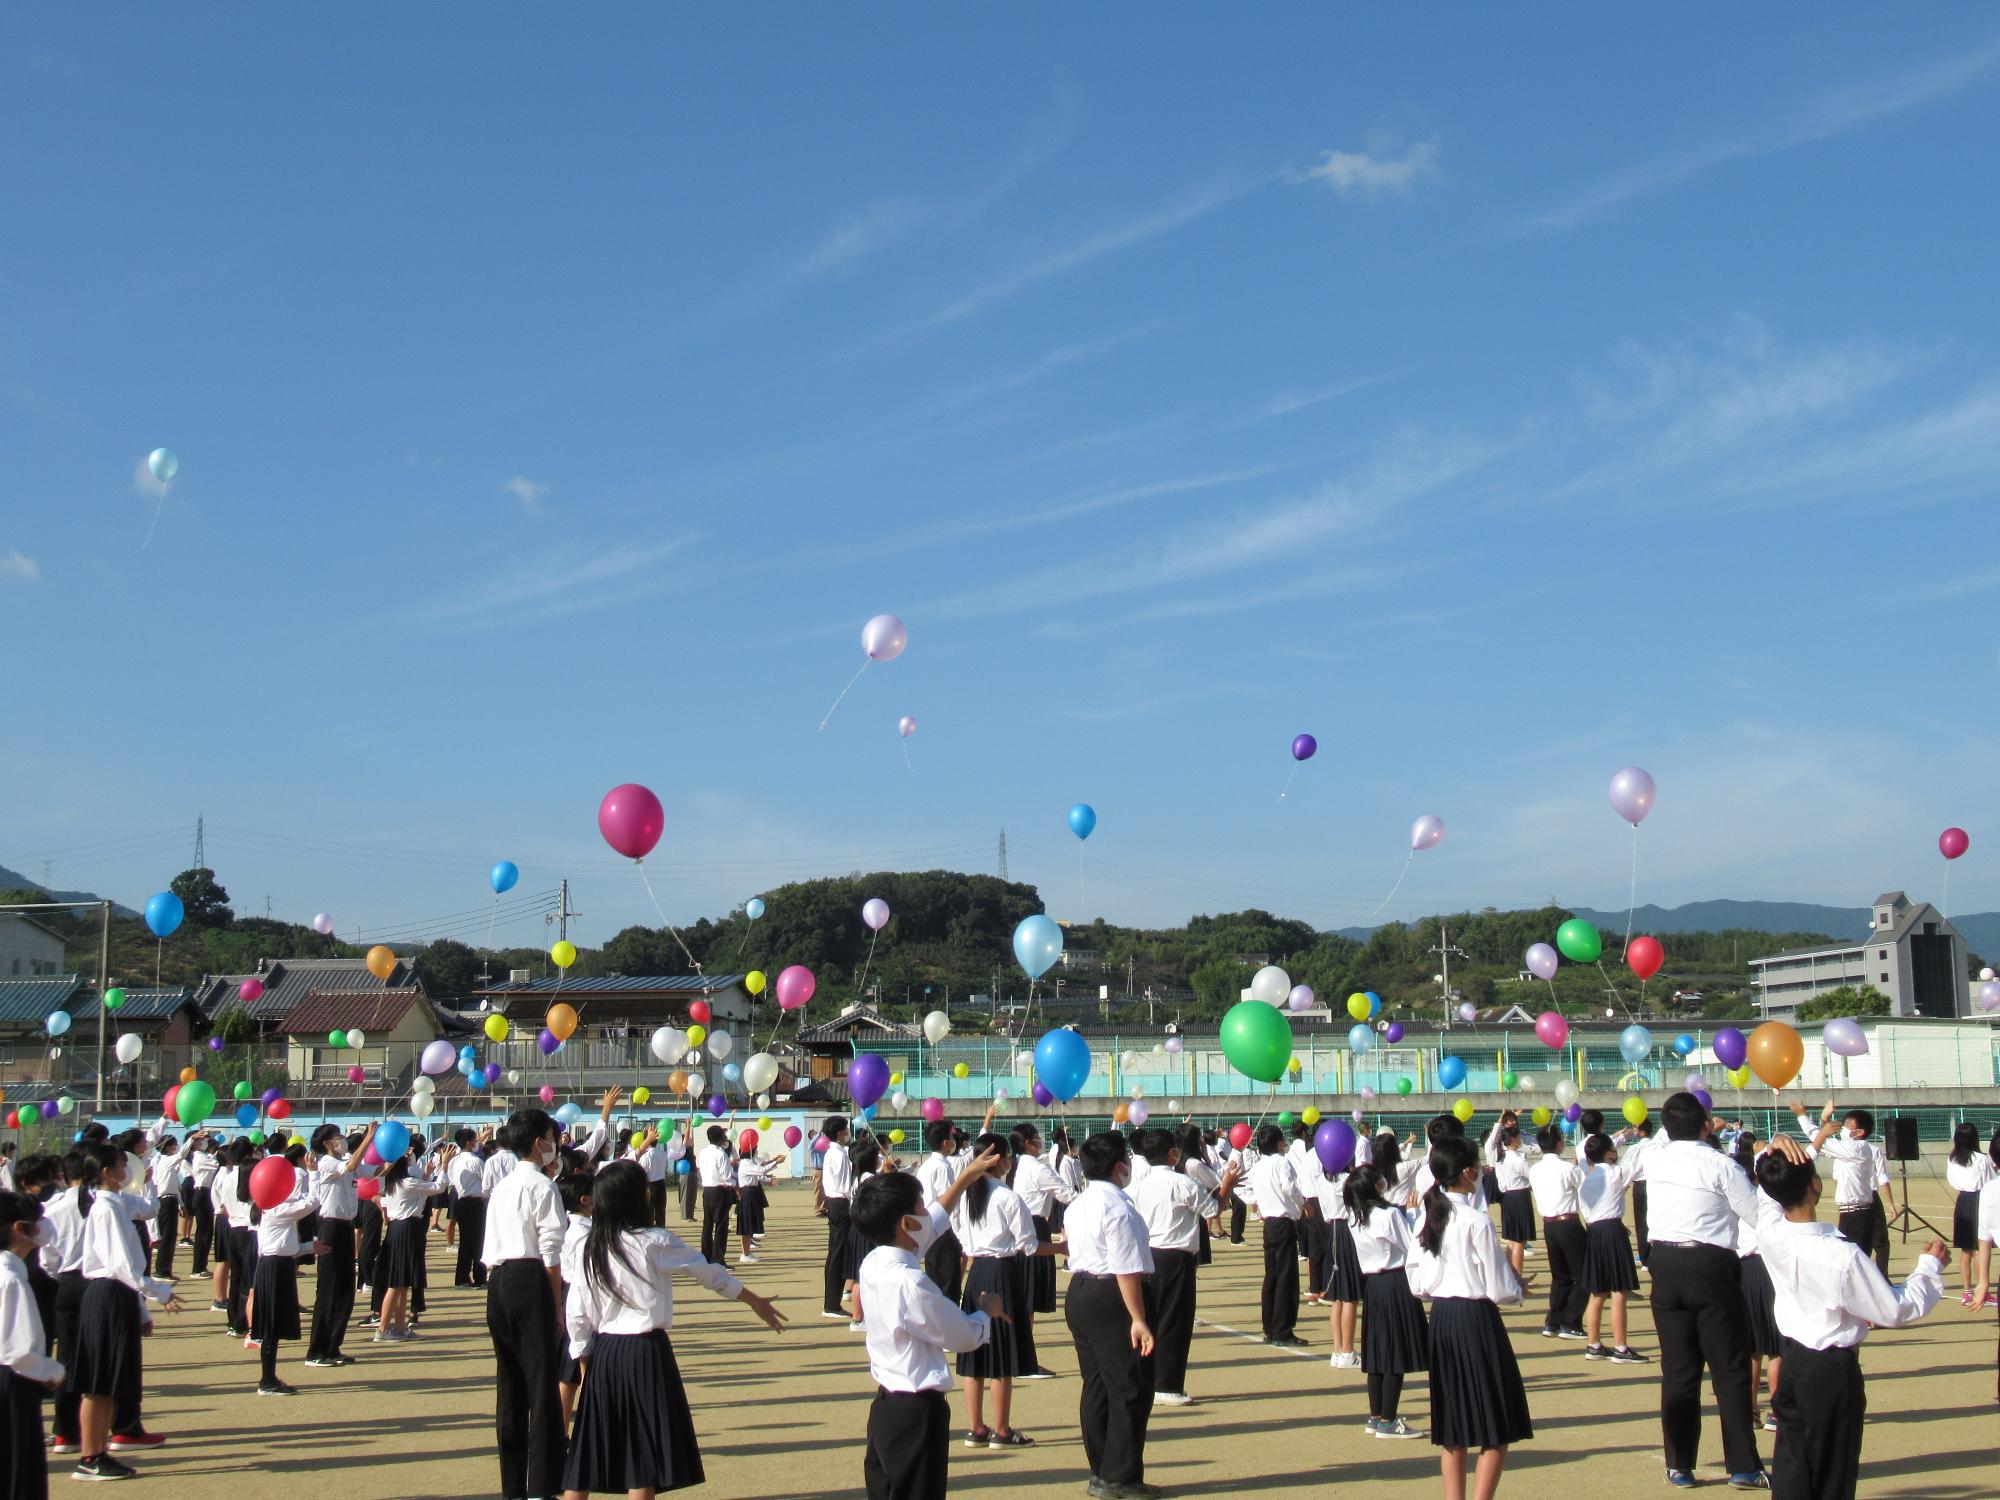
(1907, 1216)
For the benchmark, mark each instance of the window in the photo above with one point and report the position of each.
(1882, 953)
(17, 966)
(45, 966)
(1885, 979)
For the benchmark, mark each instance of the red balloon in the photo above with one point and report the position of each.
(746, 1143)
(1643, 956)
(13, 1119)
(1239, 1135)
(699, 1013)
(369, 1187)
(1954, 842)
(167, 1103)
(281, 1109)
(272, 1181)
(631, 820)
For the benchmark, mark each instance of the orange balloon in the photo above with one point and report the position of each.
(677, 1082)
(1120, 1114)
(561, 1019)
(187, 1075)
(1776, 1053)
(381, 961)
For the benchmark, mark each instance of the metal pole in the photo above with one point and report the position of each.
(103, 980)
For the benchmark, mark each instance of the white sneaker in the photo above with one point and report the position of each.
(854, 1327)
(747, 1260)
(839, 1316)
(1172, 1398)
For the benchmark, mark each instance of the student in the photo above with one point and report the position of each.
(62, 1258)
(1275, 1186)
(1988, 1227)
(1966, 1171)
(752, 1172)
(1171, 1202)
(204, 1161)
(1045, 1193)
(163, 1169)
(524, 1235)
(1828, 1297)
(1553, 1186)
(274, 1308)
(943, 1256)
(1860, 1178)
(1759, 1298)
(1509, 1161)
(1601, 1183)
(467, 1175)
(1243, 1198)
(656, 1162)
(1344, 1286)
(236, 1241)
(107, 1372)
(993, 1225)
(337, 1173)
(909, 1421)
(836, 1181)
(1395, 1338)
(27, 1373)
(406, 1197)
(1194, 1152)
(7, 1150)
(1315, 1233)
(718, 1194)
(1109, 1310)
(1064, 1164)
(1642, 1238)
(1476, 1396)
(574, 1188)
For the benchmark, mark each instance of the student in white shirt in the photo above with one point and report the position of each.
(1395, 1336)
(1109, 1310)
(406, 1199)
(1602, 1180)
(1274, 1184)
(912, 1327)
(337, 1171)
(634, 1430)
(1987, 1227)
(1508, 1159)
(236, 1241)
(1315, 1231)
(274, 1306)
(1828, 1297)
(1967, 1170)
(1553, 1186)
(1760, 1298)
(1344, 1286)
(752, 1202)
(1172, 1202)
(998, 1235)
(204, 1159)
(27, 1373)
(163, 1167)
(718, 1194)
(524, 1235)
(1860, 1178)
(1045, 1193)
(1477, 1400)
(836, 1181)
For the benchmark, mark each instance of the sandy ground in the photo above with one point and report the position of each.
(783, 1415)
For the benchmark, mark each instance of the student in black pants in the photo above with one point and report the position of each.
(337, 1170)
(1554, 1187)
(1275, 1185)
(201, 1207)
(1109, 1310)
(836, 1181)
(525, 1224)
(468, 1209)
(166, 1228)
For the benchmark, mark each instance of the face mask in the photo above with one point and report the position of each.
(41, 1234)
(921, 1229)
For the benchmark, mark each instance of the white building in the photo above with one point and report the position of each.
(28, 950)
(1911, 954)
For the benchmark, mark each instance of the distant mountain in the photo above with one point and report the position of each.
(13, 880)
(1981, 930)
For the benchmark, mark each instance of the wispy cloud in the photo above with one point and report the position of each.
(1819, 118)
(18, 567)
(569, 582)
(1287, 402)
(1133, 702)
(857, 237)
(1379, 168)
(528, 493)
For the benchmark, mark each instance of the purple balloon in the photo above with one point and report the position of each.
(1304, 747)
(1702, 1094)
(1301, 997)
(1731, 1047)
(1426, 833)
(1173, 1043)
(216, 1044)
(1542, 961)
(867, 1079)
(717, 1104)
(491, 1072)
(272, 1096)
(1043, 1098)
(548, 1041)
(49, 1109)
(1393, 1033)
(1333, 1143)
(1844, 1037)
(1632, 796)
(1573, 1113)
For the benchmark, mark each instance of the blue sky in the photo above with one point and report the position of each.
(556, 396)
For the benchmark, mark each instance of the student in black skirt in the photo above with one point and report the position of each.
(1759, 1296)
(864, 1160)
(1395, 1338)
(1508, 1163)
(1966, 1171)
(998, 1234)
(752, 1172)
(1044, 1192)
(38, 1177)
(27, 1374)
(406, 1199)
(274, 1307)
(1476, 1396)
(634, 1431)
(1601, 1182)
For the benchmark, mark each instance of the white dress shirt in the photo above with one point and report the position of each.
(715, 1167)
(1071, 1172)
(1307, 1171)
(1856, 1173)
(1170, 1203)
(1694, 1194)
(64, 1251)
(836, 1173)
(497, 1169)
(939, 1171)
(752, 1171)
(1469, 1261)
(163, 1169)
(576, 1234)
(1276, 1186)
(1600, 1188)
(1332, 1196)
(1553, 1182)
(1421, 1182)
(205, 1165)
(1382, 1241)
(1510, 1164)
(1970, 1178)
(112, 1252)
(639, 1297)
(1105, 1235)
(410, 1198)
(467, 1175)
(1829, 1292)
(23, 1344)
(336, 1182)
(278, 1228)
(911, 1325)
(1003, 1229)
(655, 1162)
(229, 1203)
(1205, 1177)
(1988, 1220)
(524, 1219)
(1039, 1185)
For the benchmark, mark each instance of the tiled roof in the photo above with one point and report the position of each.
(32, 999)
(620, 984)
(859, 1018)
(287, 982)
(374, 1010)
(140, 1005)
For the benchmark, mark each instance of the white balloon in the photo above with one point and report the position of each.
(760, 1071)
(1272, 985)
(356, 1039)
(1137, 1092)
(421, 1105)
(514, 1076)
(1173, 1106)
(697, 1082)
(1527, 1083)
(129, 1047)
(937, 1026)
(668, 1043)
(720, 1045)
(424, 1084)
(1985, 976)
(899, 1100)
(763, 1101)
(693, 1056)
(999, 1096)
(1565, 1092)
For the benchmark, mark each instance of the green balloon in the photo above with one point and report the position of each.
(114, 998)
(1403, 1086)
(1508, 1080)
(242, 1088)
(256, 1137)
(1580, 941)
(1257, 1040)
(1285, 1120)
(336, 1039)
(195, 1102)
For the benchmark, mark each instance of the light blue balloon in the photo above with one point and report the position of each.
(505, 876)
(1062, 1062)
(58, 1022)
(1360, 1036)
(681, 1168)
(753, 908)
(1635, 1044)
(164, 913)
(1451, 1072)
(731, 1072)
(164, 464)
(1082, 819)
(1568, 1126)
(392, 1139)
(1038, 943)
(569, 1114)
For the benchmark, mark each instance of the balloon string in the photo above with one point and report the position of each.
(158, 506)
(1394, 888)
(1944, 896)
(491, 920)
(1614, 989)
(1022, 1025)
(1079, 882)
(1288, 782)
(641, 866)
(906, 757)
(1632, 899)
(861, 986)
(843, 694)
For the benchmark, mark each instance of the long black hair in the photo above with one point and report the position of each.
(618, 1204)
(17, 1208)
(1743, 1150)
(865, 1156)
(1964, 1141)
(1451, 1157)
(1362, 1192)
(1388, 1155)
(981, 1187)
(1189, 1139)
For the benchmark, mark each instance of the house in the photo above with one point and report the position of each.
(829, 1046)
(25, 1006)
(167, 1021)
(626, 1005)
(1911, 954)
(29, 950)
(396, 1023)
(287, 982)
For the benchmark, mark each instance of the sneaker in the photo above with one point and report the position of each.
(103, 1467)
(275, 1388)
(747, 1260)
(218, 1307)
(64, 1445)
(979, 1438)
(841, 1316)
(1394, 1427)
(1756, 1479)
(1286, 1341)
(1015, 1439)
(1966, 1300)
(856, 1326)
(138, 1440)
(249, 1342)
(1040, 1372)
(340, 1357)
(1350, 1361)
(1547, 1333)
(1596, 1351)
(1627, 1356)
(1680, 1479)
(1770, 1420)
(326, 1362)
(1571, 1333)
(1172, 1398)
(366, 1289)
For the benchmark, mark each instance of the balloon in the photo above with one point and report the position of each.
(1451, 1072)
(246, 1114)
(667, 1044)
(279, 1109)
(795, 987)
(1463, 1110)
(1360, 1037)
(1985, 975)
(1082, 820)
(1301, 997)
(241, 1089)
(720, 1045)
(1776, 1052)
(1357, 1006)
(1121, 1113)
(1039, 1092)
(760, 1071)
(58, 1022)
(631, 820)
(1542, 962)
(164, 464)
(369, 1187)
(699, 1011)
(195, 1102)
(937, 1026)
(1239, 1135)
(216, 1044)
(1038, 942)
(1468, 1012)
(187, 1075)
(272, 1181)
(1738, 1077)
(438, 1056)
(561, 1020)
(1393, 1032)
(381, 961)
(1374, 1003)
(49, 1109)
(164, 913)
(1730, 1047)
(570, 1113)
(336, 1038)
(697, 1081)
(875, 912)
(754, 909)
(1632, 795)
(1580, 941)
(697, 1035)
(867, 1079)
(547, 1094)
(496, 1028)
(1426, 833)
(323, 924)
(906, 726)
(1572, 1113)
(357, 1040)
(1565, 1092)
(357, 1074)
(1844, 1037)
(1540, 1114)
(1062, 1063)
(1551, 1029)
(961, 1070)
(248, 991)
(1953, 842)
(1989, 995)
(1172, 1044)
(793, 1135)
(1333, 1144)
(504, 876)
(1634, 1110)
(1136, 1112)
(1271, 984)
(1293, 1065)
(1643, 956)
(1310, 1114)
(1635, 1044)
(1510, 1080)
(548, 1042)
(129, 1047)
(884, 638)
(681, 1168)
(717, 1105)
(1304, 747)
(932, 1110)
(1257, 1040)
(1707, 1100)
(563, 954)
(754, 981)
(491, 1072)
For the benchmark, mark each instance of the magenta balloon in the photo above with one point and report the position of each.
(1953, 842)
(631, 820)
(933, 1110)
(1542, 960)
(1632, 795)
(793, 1135)
(1427, 832)
(1551, 1029)
(795, 987)
(1301, 997)
(884, 638)
(906, 726)
(1731, 1047)
(875, 912)
(1304, 747)
(1393, 1032)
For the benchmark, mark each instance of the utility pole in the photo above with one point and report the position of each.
(103, 982)
(563, 913)
(200, 858)
(1128, 981)
(1446, 951)
(1003, 854)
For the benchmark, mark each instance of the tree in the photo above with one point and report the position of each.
(205, 901)
(1845, 1002)
(447, 969)
(24, 897)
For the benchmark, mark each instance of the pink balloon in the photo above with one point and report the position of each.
(793, 1135)
(906, 726)
(548, 1094)
(631, 820)
(1427, 832)
(370, 1157)
(875, 912)
(884, 638)
(933, 1109)
(323, 925)
(1551, 1029)
(820, 1143)
(1632, 795)
(1542, 961)
(795, 987)
(1953, 842)
(249, 989)
(357, 1074)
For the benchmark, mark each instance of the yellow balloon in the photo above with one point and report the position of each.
(297, 1140)
(895, 1078)
(496, 1028)
(1294, 1066)
(1635, 1111)
(896, 1137)
(1463, 1110)
(1540, 1114)
(563, 954)
(381, 961)
(642, 1095)
(697, 1035)
(754, 981)
(1310, 1114)
(638, 1140)
(763, 1122)
(1357, 1006)
(960, 1070)
(1739, 1076)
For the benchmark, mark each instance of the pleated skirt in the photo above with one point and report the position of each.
(1607, 1259)
(24, 1465)
(1203, 1255)
(858, 1246)
(1517, 1215)
(1965, 1222)
(401, 1263)
(633, 1426)
(1042, 1272)
(107, 1339)
(1477, 1400)
(1762, 1300)
(275, 1313)
(1010, 1351)
(750, 1204)
(1346, 1285)
(1395, 1336)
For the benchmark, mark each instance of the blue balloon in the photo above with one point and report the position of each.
(733, 1073)
(753, 908)
(569, 1114)
(1082, 819)
(392, 1139)
(1684, 1044)
(681, 1167)
(1062, 1062)
(164, 913)
(246, 1114)
(1374, 1003)
(1038, 943)
(505, 876)
(1360, 1036)
(1451, 1073)
(476, 1079)
(1635, 1044)
(1568, 1127)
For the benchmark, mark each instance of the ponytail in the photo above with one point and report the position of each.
(981, 1187)
(1362, 1192)
(1451, 1157)
(91, 1174)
